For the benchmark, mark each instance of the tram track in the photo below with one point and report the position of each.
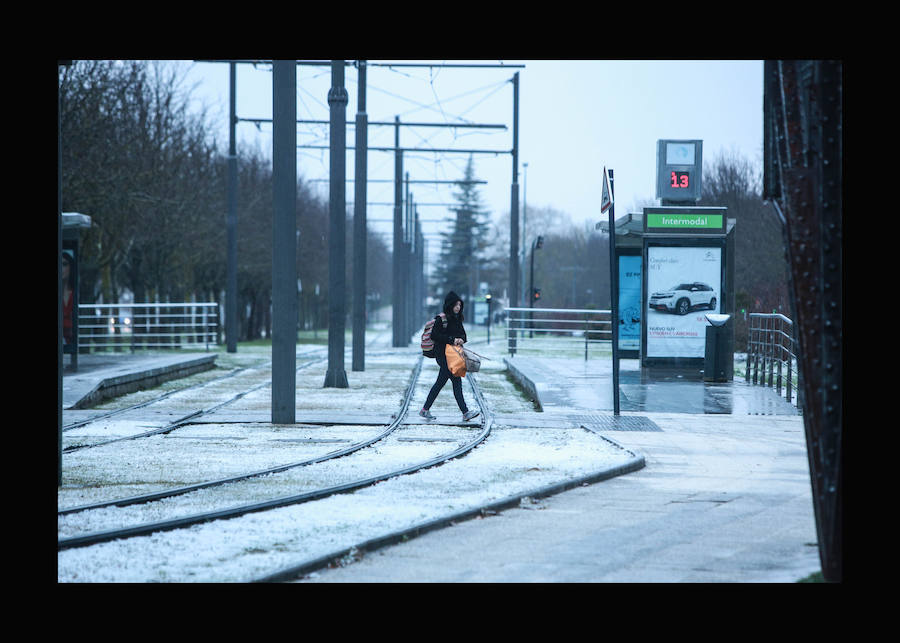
(306, 496)
(133, 407)
(176, 491)
(106, 414)
(183, 420)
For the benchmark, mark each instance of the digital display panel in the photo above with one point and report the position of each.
(680, 153)
(679, 180)
(679, 171)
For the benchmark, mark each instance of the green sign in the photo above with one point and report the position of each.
(685, 221)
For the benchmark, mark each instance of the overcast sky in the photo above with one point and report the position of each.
(575, 117)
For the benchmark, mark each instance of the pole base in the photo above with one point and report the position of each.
(336, 378)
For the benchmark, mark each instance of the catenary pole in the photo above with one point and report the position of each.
(514, 213)
(284, 244)
(231, 305)
(396, 293)
(336, 376)
(414, 305)
(359, 227)
(406, 274)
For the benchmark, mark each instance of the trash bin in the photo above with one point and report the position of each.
(719, 362)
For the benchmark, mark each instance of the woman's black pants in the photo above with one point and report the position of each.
(444, 374)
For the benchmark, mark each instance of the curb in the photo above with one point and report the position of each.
(130, 382)
(531, 387)
(356, 552)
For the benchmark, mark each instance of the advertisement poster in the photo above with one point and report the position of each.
(683, 285)
(630, 302)
(480, 313)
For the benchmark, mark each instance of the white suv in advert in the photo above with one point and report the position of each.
(682, 298)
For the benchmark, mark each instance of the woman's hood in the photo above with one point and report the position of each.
(450, 300)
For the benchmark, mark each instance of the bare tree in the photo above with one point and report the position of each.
(761, 280)
(139, 163)
(147, 170)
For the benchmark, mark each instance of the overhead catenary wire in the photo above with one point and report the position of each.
(426, 154)
(413, 154)
(428, 150)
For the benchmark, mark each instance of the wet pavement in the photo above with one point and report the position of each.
(724, 497)
(562, 384)
(721, 499)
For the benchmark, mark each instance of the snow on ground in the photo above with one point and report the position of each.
(513, 461)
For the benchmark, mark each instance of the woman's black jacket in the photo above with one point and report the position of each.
(443, 336)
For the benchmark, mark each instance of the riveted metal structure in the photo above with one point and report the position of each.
(803, 147)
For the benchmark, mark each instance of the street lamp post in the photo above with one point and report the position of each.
(524, 223)
(489, 302)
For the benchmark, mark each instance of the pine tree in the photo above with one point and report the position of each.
(463, 246)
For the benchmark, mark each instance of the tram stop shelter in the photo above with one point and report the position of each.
(675, 265)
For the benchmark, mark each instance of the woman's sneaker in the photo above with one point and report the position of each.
(425, 413)
(468, 415)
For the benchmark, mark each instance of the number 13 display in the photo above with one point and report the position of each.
(680, 179)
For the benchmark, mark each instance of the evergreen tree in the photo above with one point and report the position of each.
(464, 245)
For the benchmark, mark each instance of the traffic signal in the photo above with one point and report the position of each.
(540, 243)
(536, 293)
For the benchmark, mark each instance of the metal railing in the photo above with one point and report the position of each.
(103, 327)
(771, 353)
(559, 330)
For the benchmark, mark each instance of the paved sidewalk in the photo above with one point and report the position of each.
(721, 499)
(725, 495)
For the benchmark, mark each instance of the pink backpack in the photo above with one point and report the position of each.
(427, 342)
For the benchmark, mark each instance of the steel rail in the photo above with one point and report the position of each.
(177, 491)
(233, 512)
(187, 418)
(294, 571)
(109, 414)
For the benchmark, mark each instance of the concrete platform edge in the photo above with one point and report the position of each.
(531, 387)
(355, 552)
(130, 382)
